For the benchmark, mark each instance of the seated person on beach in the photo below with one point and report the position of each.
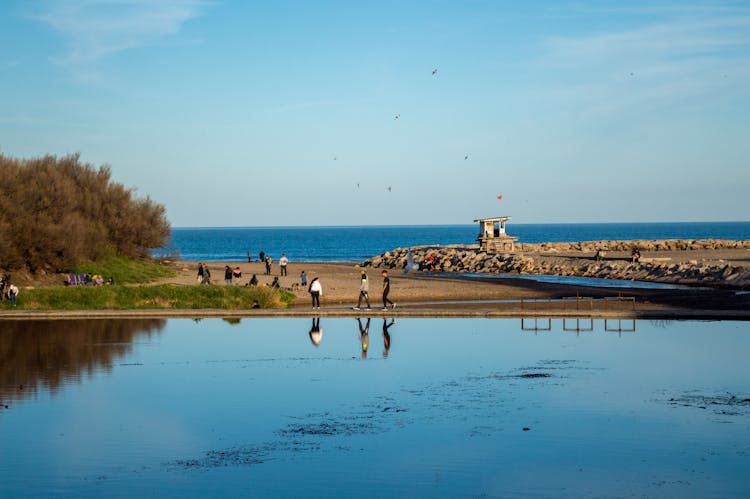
(253, 281)
(636, 255)
(275, 283)
(428, 264)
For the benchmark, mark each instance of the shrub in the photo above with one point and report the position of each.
(60, 212)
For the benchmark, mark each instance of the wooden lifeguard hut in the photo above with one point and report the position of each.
(492, 237)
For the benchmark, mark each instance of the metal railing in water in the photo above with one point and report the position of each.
(578, 325)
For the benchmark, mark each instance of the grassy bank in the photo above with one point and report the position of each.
(165, 296)
(126, 270)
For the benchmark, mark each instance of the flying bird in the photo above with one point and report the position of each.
(632, 74)
(335, 158)
(389, 188)
(466, 157)
(357, 185)
(396, 116)
(410, 265)
(434, 72)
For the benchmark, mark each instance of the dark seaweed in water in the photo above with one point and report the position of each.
(304, 436)
(312, 432)
(724, 404)
(327, 429)
(245, 456)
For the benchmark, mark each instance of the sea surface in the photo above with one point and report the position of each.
(374, 408)
(360, 243)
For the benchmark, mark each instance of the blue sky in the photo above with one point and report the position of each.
(236, 113)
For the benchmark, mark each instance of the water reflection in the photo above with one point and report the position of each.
(578, 325)
(364, 336)
(387, 336)
(205, 409)
(316, 333)
(45, 355)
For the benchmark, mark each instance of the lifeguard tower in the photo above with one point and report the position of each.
(492, 237)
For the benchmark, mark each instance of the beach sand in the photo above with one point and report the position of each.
(422, 294)
(418, 290)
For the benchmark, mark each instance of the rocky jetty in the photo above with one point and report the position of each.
(643, 245)
(546, 258)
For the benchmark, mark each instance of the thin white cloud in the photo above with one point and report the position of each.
(94, 29)
(679, 58)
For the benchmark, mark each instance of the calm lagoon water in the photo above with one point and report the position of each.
(253, 407)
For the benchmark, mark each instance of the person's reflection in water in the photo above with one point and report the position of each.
(387, 336)
(364, 336)
(316, 334)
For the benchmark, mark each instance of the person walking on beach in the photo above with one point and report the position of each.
(262, 256)
(236, 276)
(206, 275)
(316, 291)
(386, 290)
(200, 273)
(268, 265)
(283, 261)
(249, 257)
(364, 288)
(228, 275)
(303, 279)
(364, 336)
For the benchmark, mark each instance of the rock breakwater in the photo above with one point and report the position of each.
(643, 245)
(544, 258)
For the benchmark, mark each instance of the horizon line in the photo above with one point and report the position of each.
(442, 225)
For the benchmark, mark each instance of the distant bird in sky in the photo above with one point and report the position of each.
(434, 72)
(389, 188)
(466, 157)
(396, 116)
(632, 74)
(357, 185)
(335, 158)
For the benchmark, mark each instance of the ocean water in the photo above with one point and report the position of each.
(372, 408)
(359, 243)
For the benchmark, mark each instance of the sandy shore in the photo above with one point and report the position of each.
(420, 294)
(426, 294)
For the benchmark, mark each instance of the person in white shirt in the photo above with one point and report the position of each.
(282, 264)
(316, 291)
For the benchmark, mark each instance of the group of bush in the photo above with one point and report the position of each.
(59, 212)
